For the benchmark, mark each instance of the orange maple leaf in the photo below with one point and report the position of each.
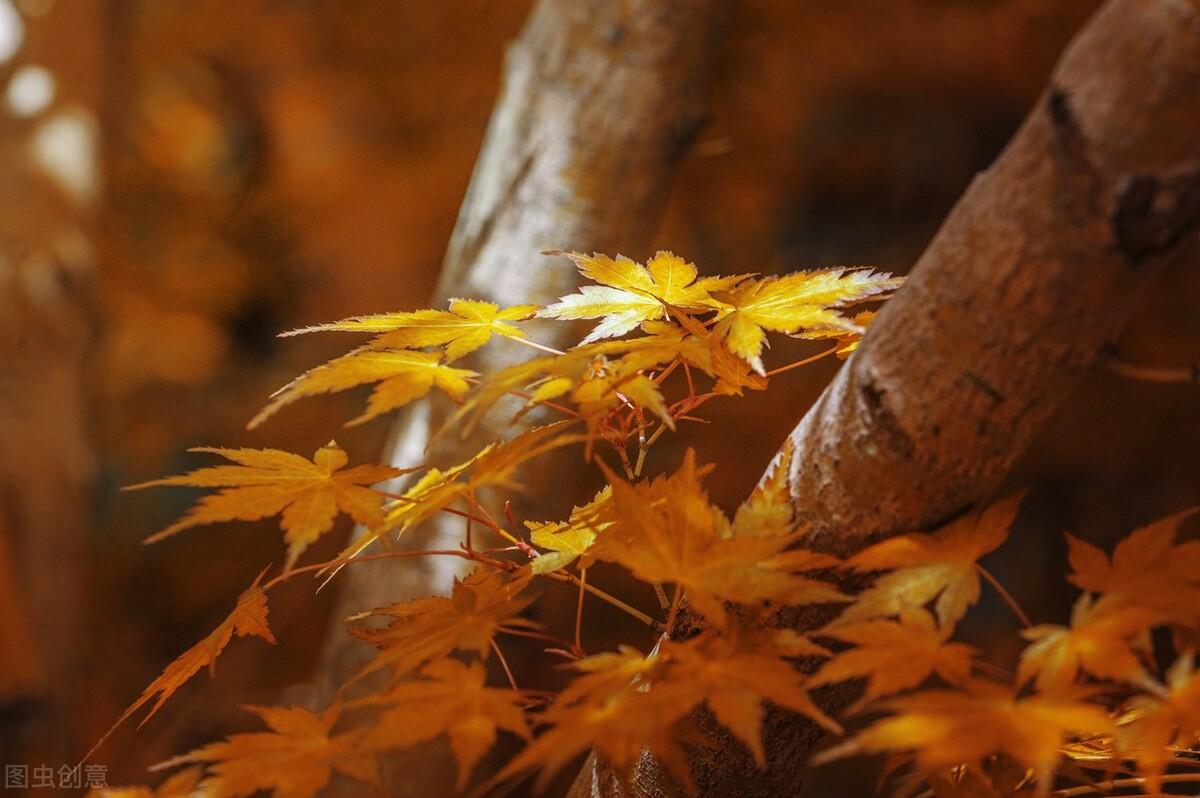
(666, 531)
(894, 655)
(1161, 723)
(1103, 639)
(179, 785)
(449, 699)
(1147, 568)
(484, 603)
(946, 728)
(295, 759)
(939, 566)
(266, 482)
(249, 618)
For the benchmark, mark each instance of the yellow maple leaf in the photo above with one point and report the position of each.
(570, 540)
(894, 655)
(1147, 569)
(295, 759)
(466, 326)
(266, 482)
(403, 376)
(249, 618)
(630, 293)
(449, 699)
(481, 605)
(939, 566)
(802, 301)
(666, 531)
(768, 512)
(1103, 639)
(947, 728)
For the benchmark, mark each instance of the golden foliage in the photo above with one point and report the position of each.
(1091, 692)
(295, 759)
(308, 494)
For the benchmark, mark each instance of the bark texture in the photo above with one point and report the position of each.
(1033, 272)
(599, 102)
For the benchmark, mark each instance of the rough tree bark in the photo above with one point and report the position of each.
(599, 100)
(1033, 272)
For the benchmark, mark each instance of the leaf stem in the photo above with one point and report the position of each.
(611, 599)
(803, 362)
(536, 345)
(1005, 595)
(507, 670)
(579, 609)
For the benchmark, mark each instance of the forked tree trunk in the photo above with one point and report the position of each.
(599, 102)
(1034, 271)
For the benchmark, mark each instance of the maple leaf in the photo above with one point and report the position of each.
(481, 605)
(571, 540)
(465, 327)
(1100, 640)
(946, 728)
(802, 301)
(630, 294)
(667, 531)
(403, 376)
(295, 759)
(493, 466)
(939, 566)
(768, 512)
(1161, 723)
(610, 710)
(248, 619)
(894, 655)
(626, 702)
(307, 493)
(733, 678)
(449, 699)
(179, 785)
(1147, 569)
(847, 338)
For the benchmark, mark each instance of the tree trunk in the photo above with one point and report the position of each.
(47, 331)
(1034, 271)
(599, 99)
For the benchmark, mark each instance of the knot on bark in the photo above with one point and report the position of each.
(1152, 213)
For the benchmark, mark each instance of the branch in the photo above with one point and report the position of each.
(1037, 266)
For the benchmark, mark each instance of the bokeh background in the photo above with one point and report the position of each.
(182, 179)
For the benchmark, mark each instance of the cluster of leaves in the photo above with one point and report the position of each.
(428, 678)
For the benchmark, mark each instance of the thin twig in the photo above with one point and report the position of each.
(1124, 784)
(1178, 375)
(611, 599)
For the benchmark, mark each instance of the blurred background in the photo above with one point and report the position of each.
(180, 180)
